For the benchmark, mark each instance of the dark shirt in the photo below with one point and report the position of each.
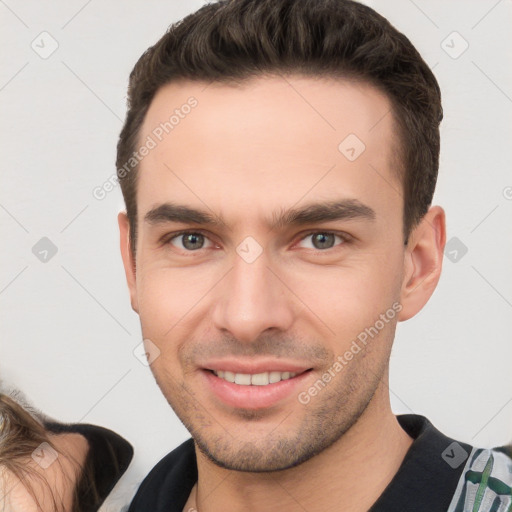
(437, 474)
(108, 458)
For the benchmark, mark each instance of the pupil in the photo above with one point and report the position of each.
(323, 241)
(190, 241)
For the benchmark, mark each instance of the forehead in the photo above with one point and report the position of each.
(270, 140)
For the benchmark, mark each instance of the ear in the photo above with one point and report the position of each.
(423, 262)
(128, 259)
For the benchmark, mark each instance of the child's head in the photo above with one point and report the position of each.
(39, 470)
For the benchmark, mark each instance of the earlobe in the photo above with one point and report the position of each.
(128, 258)
(423, 262)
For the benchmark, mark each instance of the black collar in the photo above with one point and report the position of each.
(425, 482)
(107, 459)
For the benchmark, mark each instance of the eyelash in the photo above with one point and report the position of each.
(344, 237)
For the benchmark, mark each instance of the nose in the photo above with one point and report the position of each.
(251, 300)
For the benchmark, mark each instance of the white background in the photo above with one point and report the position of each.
(67, 329)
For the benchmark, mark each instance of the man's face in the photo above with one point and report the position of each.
(245, 297)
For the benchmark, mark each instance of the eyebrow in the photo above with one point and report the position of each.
(314, 213)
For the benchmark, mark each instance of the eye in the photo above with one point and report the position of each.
(321, 240)
(189, 241)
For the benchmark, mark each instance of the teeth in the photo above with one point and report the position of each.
(243, 378)
(256, 379)
(229, 376)
(274, 377)
(259, 379)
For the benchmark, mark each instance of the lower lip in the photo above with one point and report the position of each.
(253, 397)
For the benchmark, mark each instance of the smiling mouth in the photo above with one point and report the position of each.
(254, 379)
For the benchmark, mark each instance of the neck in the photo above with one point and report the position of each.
(354, 471)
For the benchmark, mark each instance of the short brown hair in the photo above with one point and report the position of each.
(232, 40)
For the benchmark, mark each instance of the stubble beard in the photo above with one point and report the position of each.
(327, 418)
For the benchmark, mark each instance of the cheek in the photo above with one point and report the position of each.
(161, 307)
(169, 298)
(344, 300)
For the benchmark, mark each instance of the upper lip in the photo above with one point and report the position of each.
(253, 366)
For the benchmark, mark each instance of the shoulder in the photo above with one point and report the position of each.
(108, 457)
(485, 481)
(441, 473)
(170, 481)
(107, 449)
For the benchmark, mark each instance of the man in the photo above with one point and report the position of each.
(278, 163)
